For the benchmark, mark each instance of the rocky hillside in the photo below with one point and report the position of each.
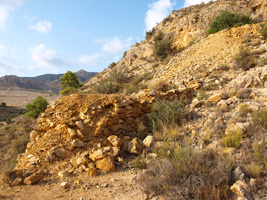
(198, 131)
(192, 51)
(44, 82)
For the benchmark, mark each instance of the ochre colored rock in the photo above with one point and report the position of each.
(115, 141)
(98, 155)
(215, 98)
(106, 164)
(34, 178)
(148, 141)
(17, 181)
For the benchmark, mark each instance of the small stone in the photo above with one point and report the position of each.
(72, 133)
(115, 151)
(148, 141)
(215, 98)
(92, 171)
(98, 155)
(17, 181)
(240, 188)
(64, 185)
(33, 135)
(77, 143)
(63, 174)
(80, 125)
(115, 141)
(79, 134)
(34, 178)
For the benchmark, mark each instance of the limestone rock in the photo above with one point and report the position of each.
(82, 160)
(106, 164)
(231, 128)
(115, 141)
(34, 178)
(63, 174)
(135, 146)
(215, 98)
(80, 125)
(64, 185)
(33, 135)
(240, 188)
(72, 133)
(17, 181)
(115, 151)
(77, 143)
(79, 134)
(98, 155)
(92, 171)
(148, 141)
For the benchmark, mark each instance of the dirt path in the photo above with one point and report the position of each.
(119, 185)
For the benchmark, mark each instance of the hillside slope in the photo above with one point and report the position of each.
(186, 29)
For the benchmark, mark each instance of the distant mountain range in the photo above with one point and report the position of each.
(46, 82)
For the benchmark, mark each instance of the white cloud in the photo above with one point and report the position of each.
(193, 2)
(88, 59)
(6, 6)
(45, 57)
(42, 27)
(116, 45)
(157, 12)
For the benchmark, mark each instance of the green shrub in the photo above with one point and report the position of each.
(38, 105)
(227, 20)
(233, 139)
(244, 59)
(264, 31)
(107, 87)
(162, 48)
(159, 36)
(165, 113)
(113, 64)
(150, 33)
(167, 19)
(139, 163)
(8, 120)
(260, 118)
(3, 104)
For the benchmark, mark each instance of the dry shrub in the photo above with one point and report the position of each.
(161, 86)
(244, 59)
(189, 174)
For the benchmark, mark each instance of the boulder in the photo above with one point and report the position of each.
(106, 164)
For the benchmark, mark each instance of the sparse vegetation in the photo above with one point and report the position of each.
(38, 105)
(162, 48)
(264, 31)
(139, 163)
(69, 82)
(260, 118)
(165, 113)
(150, 33)
(244, 59)
(233, 139)
(189, 174)
(167, 19)
(227, 20)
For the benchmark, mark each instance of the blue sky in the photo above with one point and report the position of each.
(54, 36)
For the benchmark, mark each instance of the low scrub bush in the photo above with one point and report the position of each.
(260, 118)
(233, 139)
(150, 33)
(186, 173)
(38, 105)
(264, 31)
(3, 104)
(162, 48)
(165, 113)
(244, 110)
(244, 59)
(227, 20)
(139, 163)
